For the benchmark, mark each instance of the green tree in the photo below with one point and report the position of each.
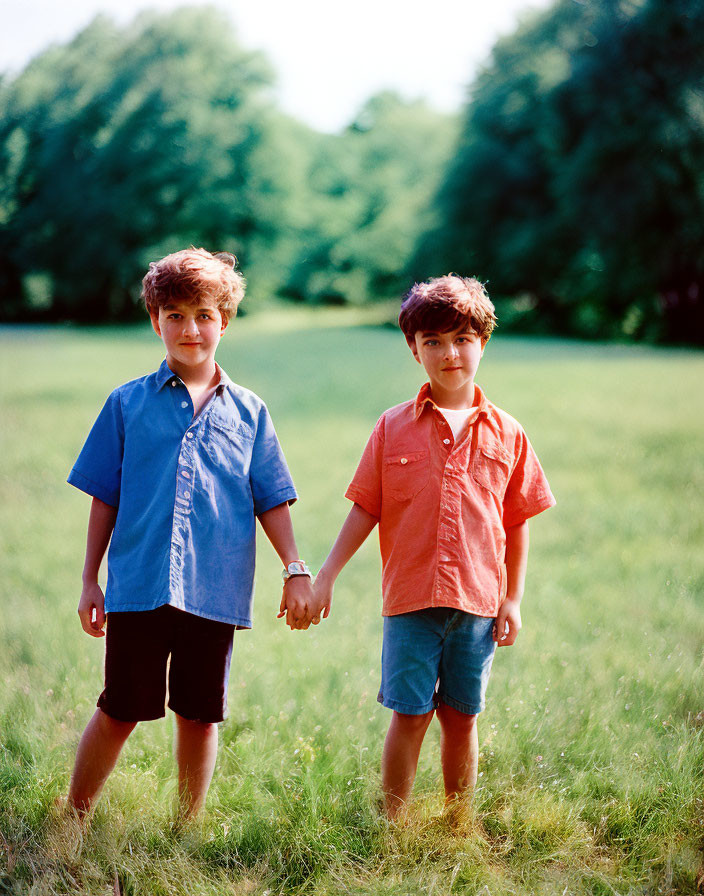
(120, 146)
(369, 192)
(578, 183)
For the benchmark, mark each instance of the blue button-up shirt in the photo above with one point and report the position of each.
(187, 491)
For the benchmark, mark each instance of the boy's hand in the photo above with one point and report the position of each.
(508, 623)
(322, 596)
(92, 603)
(296, 602)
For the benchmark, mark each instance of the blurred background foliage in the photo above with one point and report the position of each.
(572, 182)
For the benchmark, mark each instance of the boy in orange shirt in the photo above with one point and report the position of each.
(452, 481)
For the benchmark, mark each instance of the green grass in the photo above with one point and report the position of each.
(593, 738)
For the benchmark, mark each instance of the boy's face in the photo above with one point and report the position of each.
(191, 333)
(451, 361)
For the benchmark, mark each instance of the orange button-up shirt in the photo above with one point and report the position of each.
(444, 506)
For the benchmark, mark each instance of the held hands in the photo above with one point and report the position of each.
(322, 592)
(508, 623)
(92, 603)
(296, 602)
(303, 602)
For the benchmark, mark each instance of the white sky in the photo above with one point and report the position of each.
(329, 57)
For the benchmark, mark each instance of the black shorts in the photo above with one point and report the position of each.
(141, 646)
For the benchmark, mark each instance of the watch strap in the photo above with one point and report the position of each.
(296, 568)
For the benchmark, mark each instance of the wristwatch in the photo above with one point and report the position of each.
(296, 568)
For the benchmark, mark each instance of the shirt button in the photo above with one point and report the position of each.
(186, 474)
(446, 441)
(184, 404)
(186, 494)
(404, 460)
(189, 435)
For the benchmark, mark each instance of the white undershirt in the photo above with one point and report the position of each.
(456, 418)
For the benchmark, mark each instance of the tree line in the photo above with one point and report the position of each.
(572, 182)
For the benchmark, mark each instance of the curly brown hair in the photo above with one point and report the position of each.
(447, 303)
(189, 276)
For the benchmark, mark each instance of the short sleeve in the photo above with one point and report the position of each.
(365, 488)
(269, 476)
(98, 468)
(528, 492)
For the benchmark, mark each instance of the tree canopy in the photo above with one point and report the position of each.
(121, 146)
(577, 188)
(128, 143)
(573, 184)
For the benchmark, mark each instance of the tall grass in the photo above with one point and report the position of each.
(592, 741)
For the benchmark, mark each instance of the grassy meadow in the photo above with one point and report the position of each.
(592, 744)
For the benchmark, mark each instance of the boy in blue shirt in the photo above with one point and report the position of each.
(179, 463)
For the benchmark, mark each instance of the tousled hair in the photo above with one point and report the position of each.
(447, 303)
(192, 275)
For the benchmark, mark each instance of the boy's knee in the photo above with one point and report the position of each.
(194, 725)
(414, 723)
(452, 719)
(115, 727)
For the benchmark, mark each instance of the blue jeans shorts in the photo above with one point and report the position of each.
(436, 655)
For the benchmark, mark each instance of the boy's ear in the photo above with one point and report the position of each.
(155, 323)
(225, 321)
(414, 349)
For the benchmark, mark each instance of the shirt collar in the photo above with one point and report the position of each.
(225, 381)
(480, 404)
(166, 375)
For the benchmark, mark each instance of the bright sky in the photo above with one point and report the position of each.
(329, 56)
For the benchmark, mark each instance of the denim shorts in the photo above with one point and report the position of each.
(436, 655)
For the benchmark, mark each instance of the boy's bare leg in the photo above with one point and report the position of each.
(459, 751)
(399, 760)
(196, 751)
(97, 753)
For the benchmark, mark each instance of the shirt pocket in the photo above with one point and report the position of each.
(228, 445)
(404, 475)
(491, 467)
